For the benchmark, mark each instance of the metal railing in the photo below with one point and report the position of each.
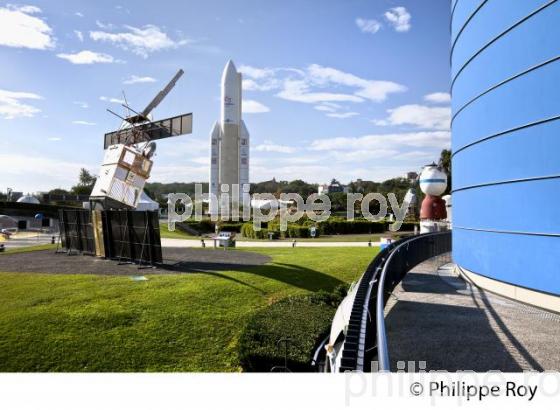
(366, 338)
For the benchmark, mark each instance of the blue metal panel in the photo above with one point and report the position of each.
(530, 98)
(510, 157)
(506, 141)
(463, 10)
(515, 207)
(513, 54)
(521, 260)
(496, 16)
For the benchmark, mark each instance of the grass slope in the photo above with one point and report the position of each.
(188, 322)
(164, 232)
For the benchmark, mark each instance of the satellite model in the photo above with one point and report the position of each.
(127, 162)
(433, 182)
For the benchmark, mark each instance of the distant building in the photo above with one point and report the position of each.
(412, 176)
(332, 188)
(28, 199)
(14, 196)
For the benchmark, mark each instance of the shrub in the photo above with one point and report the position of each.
(340, 226)
(333, 298)
(305, 320)
(248, 231)
(409, 226)
(231, 226)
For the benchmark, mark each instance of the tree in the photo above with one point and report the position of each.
(445, 164)
(86, 181)
(86, 178)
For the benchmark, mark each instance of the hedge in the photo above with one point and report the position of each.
(333, 226)
(248, 231)
(305, 320)
(339, 226)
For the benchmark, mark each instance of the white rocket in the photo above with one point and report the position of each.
(229, 144)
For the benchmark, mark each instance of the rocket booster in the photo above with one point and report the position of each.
(229, 141)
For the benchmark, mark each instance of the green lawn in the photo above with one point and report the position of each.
(31, 248)
(188, 322)
(327, 238)
(164, 232)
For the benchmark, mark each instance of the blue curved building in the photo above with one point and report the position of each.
(505, 61)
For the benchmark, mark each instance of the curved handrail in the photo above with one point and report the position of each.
(382, 350)
(363, 341)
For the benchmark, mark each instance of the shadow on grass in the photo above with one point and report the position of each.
(290, 274)
(297, 276)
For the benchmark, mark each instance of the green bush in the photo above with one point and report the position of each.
(409, 226)
(248, 231)
(341, 226)
(304, 320)
(231, 226)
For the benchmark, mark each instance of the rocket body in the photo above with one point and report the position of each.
(229, 145)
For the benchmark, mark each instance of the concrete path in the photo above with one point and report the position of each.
(438, 318)
(27, 239)
(196, 243)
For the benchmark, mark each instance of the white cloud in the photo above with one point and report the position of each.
(420, 116)
(325, 87)
(253, 107)
(21, 29)
(259, 79)
(328, 107)
(438, 98)
(134, 79)
(11, 106)
(141, 41)
(368, 26)
(112, 100)
(79, 14)
(54, 139)
(252, 85)
(24, 8)
(45, 174)
(438, 139)
(80, 122)
(306, 85)
(79, 34)
(82, 104)
(269, 146)
(299, 90)
(363, 155)
(342, 114)
(369, 89)
(87, 57)
(399, 18)
(254, 72)
(104, 26)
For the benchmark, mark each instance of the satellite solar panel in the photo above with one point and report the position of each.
(169, 127)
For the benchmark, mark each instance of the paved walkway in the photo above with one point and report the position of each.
(27, 239)
(196, 243)
(438, 318)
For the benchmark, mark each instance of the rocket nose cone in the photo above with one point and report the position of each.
(230, 70)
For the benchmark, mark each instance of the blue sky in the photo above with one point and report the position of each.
(347, 88)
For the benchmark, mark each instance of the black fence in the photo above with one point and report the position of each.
(76, 230)
(131, 236)
(365, 340)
